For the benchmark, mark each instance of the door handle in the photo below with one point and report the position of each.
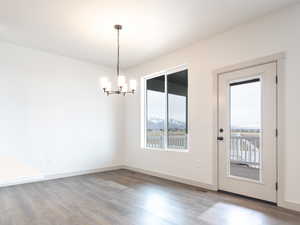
(220, 138)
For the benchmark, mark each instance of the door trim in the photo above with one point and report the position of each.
(279, 60)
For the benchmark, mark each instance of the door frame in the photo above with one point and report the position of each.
(279, 59)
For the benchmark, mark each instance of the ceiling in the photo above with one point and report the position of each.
(83, 29)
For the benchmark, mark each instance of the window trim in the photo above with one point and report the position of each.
(144, 79)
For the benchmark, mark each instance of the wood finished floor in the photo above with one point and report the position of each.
(127, 198)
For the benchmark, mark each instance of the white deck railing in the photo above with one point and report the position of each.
(244, 144)
(245, 147)
(175, 141)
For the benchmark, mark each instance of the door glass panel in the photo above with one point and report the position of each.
(155, 112)
(177, 110)
(245, 129)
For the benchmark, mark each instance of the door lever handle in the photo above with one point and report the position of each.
(220, 138)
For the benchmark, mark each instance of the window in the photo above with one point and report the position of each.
(166, 110)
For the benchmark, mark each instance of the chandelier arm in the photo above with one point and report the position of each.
(118, 92)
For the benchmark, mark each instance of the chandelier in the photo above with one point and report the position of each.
(122, 86)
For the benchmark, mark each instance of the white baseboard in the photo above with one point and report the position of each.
(21, 180)
(289, 205)
(78, 173)
(173, 178)
(26, 180)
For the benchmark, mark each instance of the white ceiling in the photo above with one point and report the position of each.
(83, 29)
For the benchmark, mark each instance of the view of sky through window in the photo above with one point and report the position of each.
(246, 105)
(176, 102)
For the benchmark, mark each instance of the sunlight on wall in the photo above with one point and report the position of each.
(11, 170)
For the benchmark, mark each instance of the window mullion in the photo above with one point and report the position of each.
(166, 114)
(145, 112)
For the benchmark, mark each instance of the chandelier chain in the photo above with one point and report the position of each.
(118, 60)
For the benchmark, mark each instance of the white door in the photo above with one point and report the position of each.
(247, 132)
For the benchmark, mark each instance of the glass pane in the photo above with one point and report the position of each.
(245, 107)
(155, 112)
(177, 110)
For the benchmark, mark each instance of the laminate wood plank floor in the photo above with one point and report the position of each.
(123, 197)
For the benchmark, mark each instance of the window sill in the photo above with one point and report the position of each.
(166, 150)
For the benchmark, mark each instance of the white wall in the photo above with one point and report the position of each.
(275, 33)
(53, 117)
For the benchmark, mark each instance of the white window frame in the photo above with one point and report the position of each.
(144, 79)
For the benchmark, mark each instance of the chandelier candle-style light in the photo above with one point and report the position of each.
(122, 86)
